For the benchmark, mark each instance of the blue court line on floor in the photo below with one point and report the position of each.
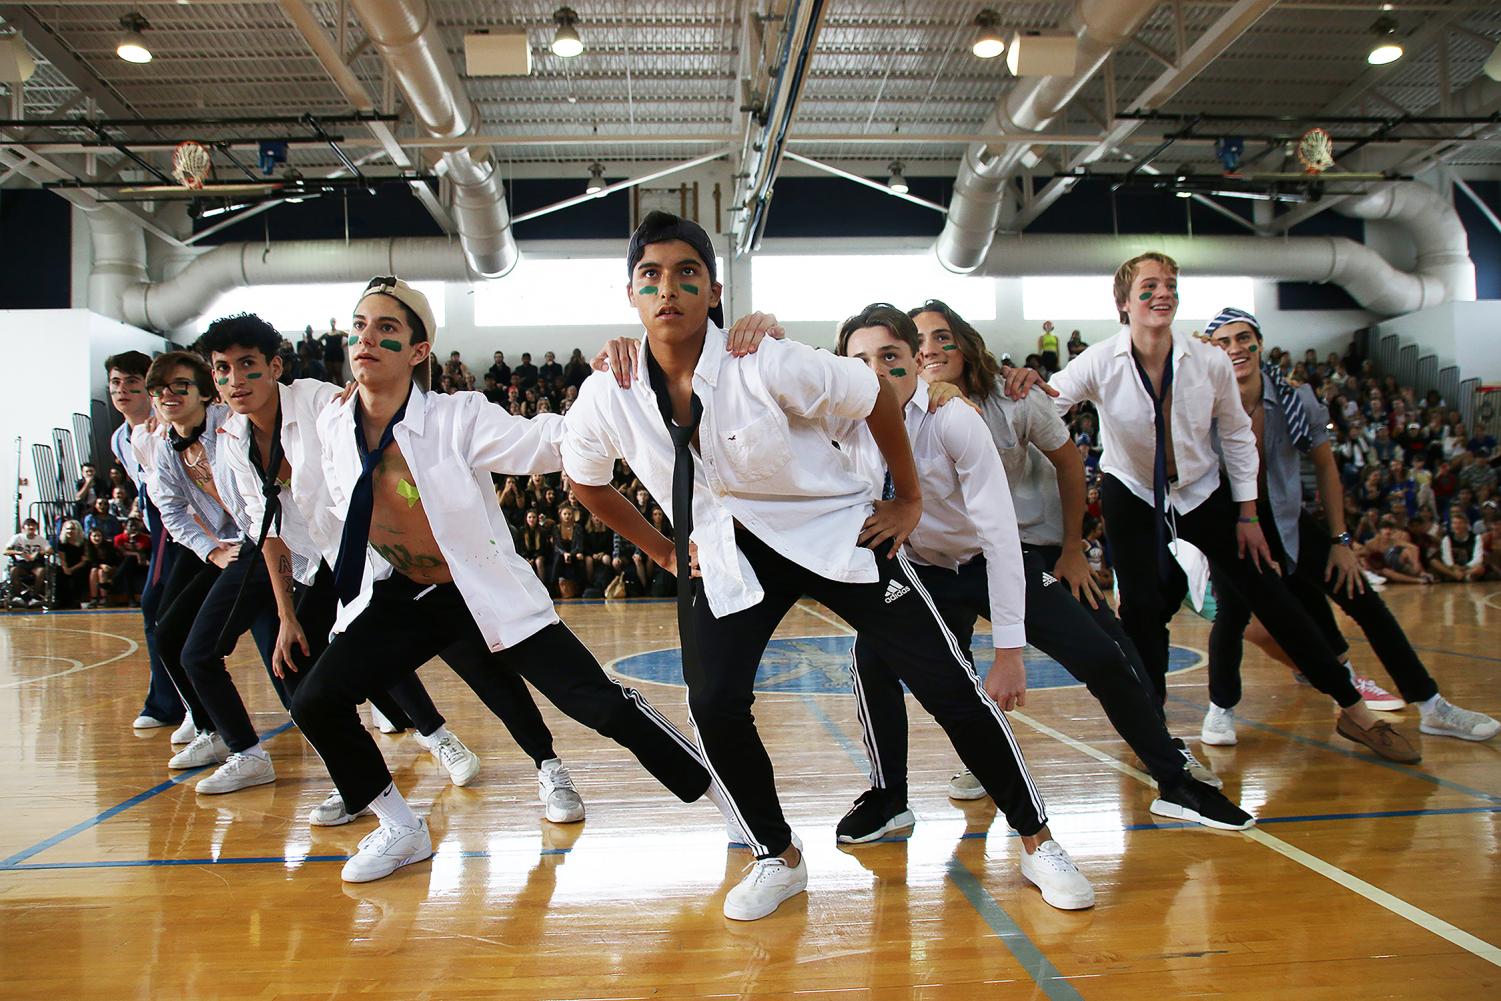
(121, 807)
(1171, 825)
(1366, 758)
(851, 749)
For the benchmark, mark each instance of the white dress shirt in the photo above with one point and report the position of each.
(307, 523)
(1203, 392)
(966, 502)
(1022, 431)
(764, 458)
(191, 513)
(452, 444)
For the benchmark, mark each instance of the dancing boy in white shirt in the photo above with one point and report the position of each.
(736, 449)
(409, 474)
(1158, 395)
(972, 552)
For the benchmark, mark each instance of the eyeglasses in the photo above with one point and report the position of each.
(177, 387)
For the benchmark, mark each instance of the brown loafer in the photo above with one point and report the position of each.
(1382, 738)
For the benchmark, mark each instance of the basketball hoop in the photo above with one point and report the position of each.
(191, 164)
(1316, 151)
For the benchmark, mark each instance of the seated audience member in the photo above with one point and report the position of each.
(533, 544)
(28, 550)
(1392, 556)
(594, 543)
(104, 562)
(1461, 554)
(101, 518)
(566, 567)
(134, 547)
(72, 564)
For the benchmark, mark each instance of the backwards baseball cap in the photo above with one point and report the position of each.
(410, 298)
(659, 227)
(1232, 315)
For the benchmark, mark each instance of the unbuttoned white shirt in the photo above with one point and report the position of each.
(1203, 392)
(764, 458)
(966, 502)
(308, 525)
(452, 444)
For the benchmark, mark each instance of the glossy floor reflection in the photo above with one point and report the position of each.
(1364, 879)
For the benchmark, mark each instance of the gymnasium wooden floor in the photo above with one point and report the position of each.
(1365, 879)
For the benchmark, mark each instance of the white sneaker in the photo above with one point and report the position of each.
(1219, 727)
(1052, 871)
(1195, 768)
(1448, 720)
(555, 790)
(204, 749)
(768, 882)
(185, 733)
(380, 722)
(239, 771)
(462, 764)
(144, 722)
(331, 812)
(386, 849)
(966, 786)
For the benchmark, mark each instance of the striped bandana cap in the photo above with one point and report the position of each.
(1287, 394)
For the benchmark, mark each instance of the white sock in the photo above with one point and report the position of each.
(256, 752)
(436, 735)
(1430, 706)
(392, 809)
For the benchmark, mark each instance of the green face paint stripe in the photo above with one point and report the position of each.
(254, 375)
(391, 345)
(408, 493)
(951, 347)
(224, 381)
(647, 290)
(1145, 296)
(690, 289)
(354, 339)
(898, 372)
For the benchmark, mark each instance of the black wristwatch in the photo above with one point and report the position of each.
(1342, 539)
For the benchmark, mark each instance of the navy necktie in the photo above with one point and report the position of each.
(1159, 459)
(349, 569)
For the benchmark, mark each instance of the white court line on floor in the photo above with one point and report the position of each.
(1429, 922)
(134, 646)
(1489, 600)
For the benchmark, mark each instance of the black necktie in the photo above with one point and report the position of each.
(1159, 459)
(682, 502)
(271, 491)
(349, 569)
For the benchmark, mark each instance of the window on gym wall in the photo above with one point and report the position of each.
(290, 308)
(558, 292)
(833, 286)
(1091, 297)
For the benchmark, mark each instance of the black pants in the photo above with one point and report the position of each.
(900, 636)
(1148, 603)
(185, 591)
(162, 700)
(407, 624)
(1308, 586)
(1089, 643)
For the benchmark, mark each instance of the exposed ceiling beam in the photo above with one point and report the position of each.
(1433, 30)
(40, 169)
(1208, 47)
(67, 62)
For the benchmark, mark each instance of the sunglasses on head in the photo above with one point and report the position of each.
(380, 280)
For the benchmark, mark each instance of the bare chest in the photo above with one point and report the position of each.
(399, 528)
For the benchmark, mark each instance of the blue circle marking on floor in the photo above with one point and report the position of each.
(820, 665)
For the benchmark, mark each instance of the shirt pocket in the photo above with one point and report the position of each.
(938, 477)
(759, 449)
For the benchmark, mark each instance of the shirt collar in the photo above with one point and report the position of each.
(919, 401)
(1123, 344)
(710, 359)
(1269, 392)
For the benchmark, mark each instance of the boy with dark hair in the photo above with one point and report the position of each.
(422, 538)
(735, 448)
(126, 383)
(28, 551)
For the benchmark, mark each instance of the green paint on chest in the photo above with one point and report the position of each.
(407, 492)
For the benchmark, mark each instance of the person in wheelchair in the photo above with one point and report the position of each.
(27, 578)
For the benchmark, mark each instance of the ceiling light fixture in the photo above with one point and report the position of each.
(566, 41)
(132, 47)
(988, 40)
(596, 179)
(1387, 49)
(896, 182)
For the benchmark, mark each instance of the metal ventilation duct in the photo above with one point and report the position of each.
(408, 38)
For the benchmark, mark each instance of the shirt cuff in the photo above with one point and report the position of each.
(1006, 637)
(1243, 490)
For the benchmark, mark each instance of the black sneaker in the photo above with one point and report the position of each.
(1196, 769)
(875, 814)
(1200, 804)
